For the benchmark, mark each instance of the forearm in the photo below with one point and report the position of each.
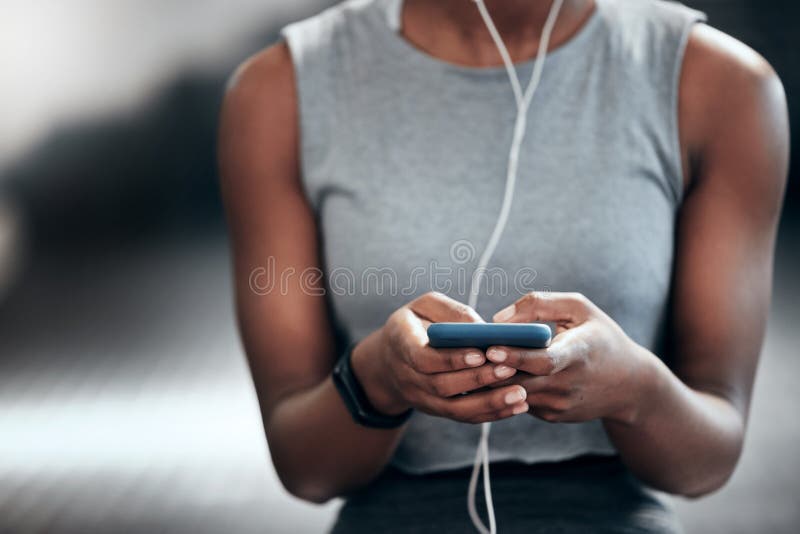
(318, 450)
(681, 441)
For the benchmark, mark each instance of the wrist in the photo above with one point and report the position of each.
(368, 366)
(643, 387)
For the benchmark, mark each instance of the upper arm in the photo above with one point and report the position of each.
(282, 313)
(734, 129)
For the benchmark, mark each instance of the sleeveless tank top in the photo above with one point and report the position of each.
(403, 159)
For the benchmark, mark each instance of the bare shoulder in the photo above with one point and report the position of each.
(726, 56)
(732, 107)
(258, 121)
(261, 77)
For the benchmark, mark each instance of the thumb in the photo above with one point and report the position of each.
(545, 307)
(439, 308)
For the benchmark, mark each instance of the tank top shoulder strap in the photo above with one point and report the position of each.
(322, 49)
(654, 31)
(646, 41)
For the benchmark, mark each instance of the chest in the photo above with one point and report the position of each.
(417, 185)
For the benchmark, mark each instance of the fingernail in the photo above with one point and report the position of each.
(504, 371)
(520, 408)
(473, 358)
(513, 397)
(497, 355)
(505, 314)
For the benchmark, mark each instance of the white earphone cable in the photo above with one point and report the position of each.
(523, 101)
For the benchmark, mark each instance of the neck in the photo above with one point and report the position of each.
(454, 31)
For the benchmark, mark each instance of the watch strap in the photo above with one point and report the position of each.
(356, 400)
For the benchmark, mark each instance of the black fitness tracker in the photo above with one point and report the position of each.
(355, 399)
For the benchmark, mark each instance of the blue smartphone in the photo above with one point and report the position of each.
(484, 335)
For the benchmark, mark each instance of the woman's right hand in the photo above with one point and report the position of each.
(399, 370)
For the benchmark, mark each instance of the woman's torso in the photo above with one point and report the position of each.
(404, 157)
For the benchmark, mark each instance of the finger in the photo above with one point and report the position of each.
(518, 378)
(415, 330)
(561, 308)
(550, 402)
(423, 358)
(546, 414)
(449, 384)
(548, 384)
(427, 360)
(571, 415)
(481, 406)
(540, 362)
(505, 413)
(565, 349)
(533, 361)
(439, 308)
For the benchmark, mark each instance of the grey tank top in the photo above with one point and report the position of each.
(403, 160)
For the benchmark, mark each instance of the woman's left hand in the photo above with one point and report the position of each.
(591, 369)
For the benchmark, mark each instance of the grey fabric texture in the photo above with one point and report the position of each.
(404, 159)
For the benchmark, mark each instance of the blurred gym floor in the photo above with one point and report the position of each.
(125, 400)
(126, 404)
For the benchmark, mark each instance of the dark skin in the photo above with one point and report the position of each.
(679, 429)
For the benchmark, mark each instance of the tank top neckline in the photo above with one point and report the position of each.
(391, 11)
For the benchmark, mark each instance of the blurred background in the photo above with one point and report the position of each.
(125, 401)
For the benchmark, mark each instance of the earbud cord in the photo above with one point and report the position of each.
(523, 101)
